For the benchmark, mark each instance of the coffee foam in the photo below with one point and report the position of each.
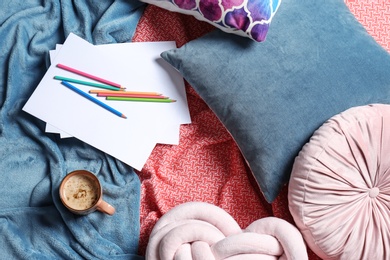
(81, 192)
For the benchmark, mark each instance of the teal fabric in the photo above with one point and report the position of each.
(317, 61)
(33, 222)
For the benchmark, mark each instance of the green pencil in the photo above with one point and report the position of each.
(87, 83)
(159, 100)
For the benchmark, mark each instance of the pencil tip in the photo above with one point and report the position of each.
(123, 116)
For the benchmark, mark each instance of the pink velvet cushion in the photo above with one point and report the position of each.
(339, 191)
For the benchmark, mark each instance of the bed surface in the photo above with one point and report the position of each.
(206, 144)
(207, 165)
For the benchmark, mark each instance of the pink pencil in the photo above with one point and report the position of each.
(129, 95)
(81, 73)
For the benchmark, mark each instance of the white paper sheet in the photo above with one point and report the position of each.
(141, 53)
(130, 140)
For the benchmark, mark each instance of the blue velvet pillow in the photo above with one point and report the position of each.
(317, 61)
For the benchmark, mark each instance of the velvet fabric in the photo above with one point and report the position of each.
(317, 61)
(340, 186)
(33, 222)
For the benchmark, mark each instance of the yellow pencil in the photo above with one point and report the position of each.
(158, 100)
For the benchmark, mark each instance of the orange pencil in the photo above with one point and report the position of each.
(129, 95)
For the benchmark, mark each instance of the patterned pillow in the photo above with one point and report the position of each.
(249, 18)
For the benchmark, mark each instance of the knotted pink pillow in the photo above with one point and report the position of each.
(202, 231)
(339, 191)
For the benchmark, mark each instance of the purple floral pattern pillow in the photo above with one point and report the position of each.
(249, 18)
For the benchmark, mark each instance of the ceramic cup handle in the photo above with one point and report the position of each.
(105, 208)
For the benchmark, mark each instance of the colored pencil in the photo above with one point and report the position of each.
(97, 91)
(91, 98)
(129, 95)
(87, 75)
(87, 83)
(160, 100)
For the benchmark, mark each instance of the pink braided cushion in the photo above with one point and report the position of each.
(339, 191)
(199, 230)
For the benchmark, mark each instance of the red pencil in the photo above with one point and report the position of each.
(87, 75)
(99, 91)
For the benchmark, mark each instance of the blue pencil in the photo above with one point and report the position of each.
(91, 98)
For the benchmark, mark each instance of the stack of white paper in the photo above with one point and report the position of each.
(138, 67)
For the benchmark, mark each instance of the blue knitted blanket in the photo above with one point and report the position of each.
(33, 222)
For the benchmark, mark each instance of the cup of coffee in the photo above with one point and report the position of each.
(82, 193)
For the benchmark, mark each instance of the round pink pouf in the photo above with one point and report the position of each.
(339, 190)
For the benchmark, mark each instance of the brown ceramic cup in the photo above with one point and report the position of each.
(82, 193)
